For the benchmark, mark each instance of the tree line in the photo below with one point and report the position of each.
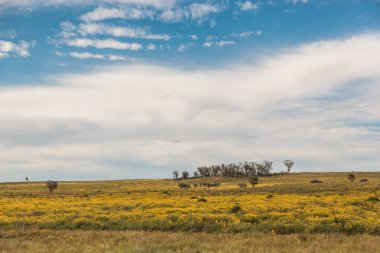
(245, 169)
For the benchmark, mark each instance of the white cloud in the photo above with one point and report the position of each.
(297, 1)
(207, 44)
(102, 44)
(33, 4)
(8, 48)
(86, 55)
(248, 5)
(184, 47)
(118, 31)
(200, 11)
(151, 47)
(117, 58)
(174, 15)
(101, 13)
(221, 43)
(314, 104)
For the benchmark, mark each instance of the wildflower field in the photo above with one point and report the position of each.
(281, 204)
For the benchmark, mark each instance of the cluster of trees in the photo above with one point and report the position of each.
(236, 169)
(245, 169)
(229, 170)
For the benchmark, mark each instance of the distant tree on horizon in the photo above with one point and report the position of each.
(51, 185)
(185, 174)
(289, 164)
(175, 174)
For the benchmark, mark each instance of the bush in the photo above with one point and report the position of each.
(254, 180)
(235, 209)
(351, 177)
(202, 200)
(316, 181)
(51, 185)
(373, 199)
(243, 185)
(364, 180)
(184, 186)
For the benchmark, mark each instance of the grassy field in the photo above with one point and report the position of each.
(280, 204)
(47, 241)
(284, 213)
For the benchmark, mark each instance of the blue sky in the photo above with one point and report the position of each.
(127, 88)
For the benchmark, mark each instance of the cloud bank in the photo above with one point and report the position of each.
(316, 104)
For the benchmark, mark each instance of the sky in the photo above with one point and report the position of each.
(119, 89)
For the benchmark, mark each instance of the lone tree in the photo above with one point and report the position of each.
(26, 179)
(175, 174)
(51, 185)
(289, 164)
(351, 177)
(254, 180)
(185, 174)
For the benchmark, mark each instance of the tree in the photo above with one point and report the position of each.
(196, 174)
(185, 174)
(289, 164)
(175, 174)
(26, 179)
(254, 180)
(51, 185)
(351, 177)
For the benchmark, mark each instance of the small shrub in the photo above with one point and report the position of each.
(373, 199)
(364, 180)
(51, 185)
(254, 180)
(316, 181)
(243, 185)
(269, 196)
(351, 177)
(235, 209)
(184, 186)
(194, 197)
(202, 200)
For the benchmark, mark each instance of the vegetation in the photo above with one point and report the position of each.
(289, 164)
(51, 185)
(253, 180)
(139, 241)
(351, 177)
(296, 206)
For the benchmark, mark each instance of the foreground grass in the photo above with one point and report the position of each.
(106, 241)
(281, 204)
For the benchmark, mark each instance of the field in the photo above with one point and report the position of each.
(286, 207)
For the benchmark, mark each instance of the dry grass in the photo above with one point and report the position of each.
(128, 241)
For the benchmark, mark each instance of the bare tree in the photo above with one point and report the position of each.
(51, 185)
(175, 174)
(289, 164)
